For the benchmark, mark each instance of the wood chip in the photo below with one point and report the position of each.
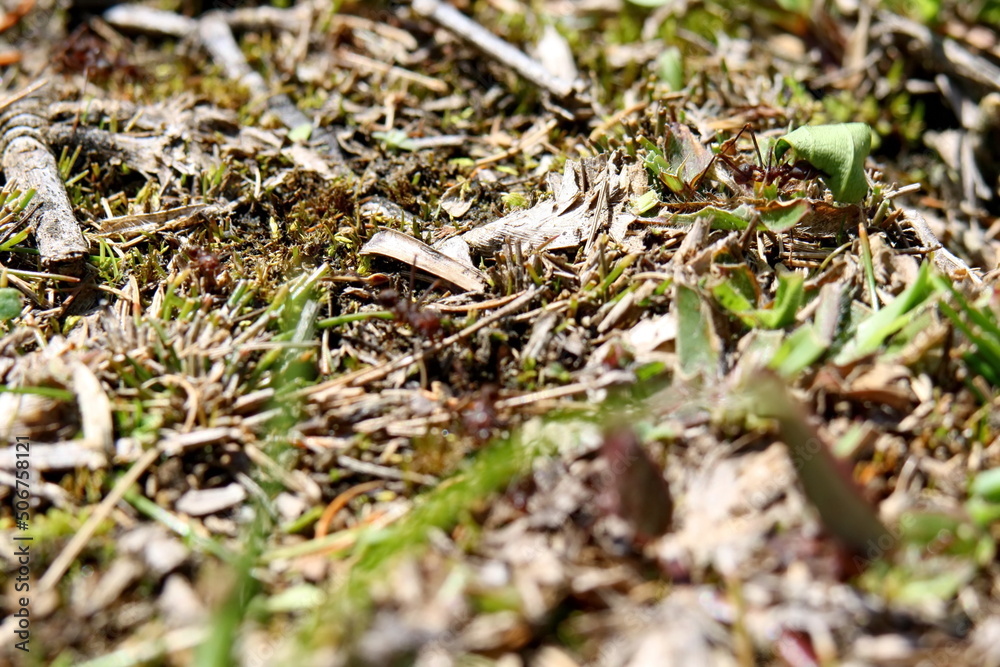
(210, 501)
(416, 253)
(95, 409)
(28, 161)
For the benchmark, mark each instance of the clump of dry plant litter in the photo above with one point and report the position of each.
(609, 333)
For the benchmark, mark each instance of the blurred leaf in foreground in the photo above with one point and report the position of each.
(639, 494)
(11, 303)
(698, 345)
(843, 510)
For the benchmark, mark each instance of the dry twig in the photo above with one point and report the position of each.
(28, 161)
(499, 49)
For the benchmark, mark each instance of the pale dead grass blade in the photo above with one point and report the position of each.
(82, 537)
(416, 253)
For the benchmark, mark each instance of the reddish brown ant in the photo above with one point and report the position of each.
(205, 264)
(86, 50)
(767, 174)
(479, 414)
(427, 321)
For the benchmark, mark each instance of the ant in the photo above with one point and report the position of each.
(479, 413)
(425, 320)
(86, 50)
(745, 173)
(205, 264)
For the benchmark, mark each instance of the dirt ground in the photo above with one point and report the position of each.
(496, 332)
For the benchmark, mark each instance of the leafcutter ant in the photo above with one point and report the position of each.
(745, 173)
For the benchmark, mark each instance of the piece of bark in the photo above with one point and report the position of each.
(135, 224)
(399, 246)
(28, 162)
(590, 197)
(943, 259)
(149, 155)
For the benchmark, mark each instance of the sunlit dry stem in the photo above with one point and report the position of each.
(27, 160)
(460, 24)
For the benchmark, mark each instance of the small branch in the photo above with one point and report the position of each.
(385, 472)
(455, 21)
(28, 161)
(62, 562)
(943, 259)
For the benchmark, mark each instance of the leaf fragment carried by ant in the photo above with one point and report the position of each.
(678, 158)
(416, 253)
(838, 150)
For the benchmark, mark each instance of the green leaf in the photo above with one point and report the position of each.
(396, 139)
(876, 328)
(739, 293)
(780, 216)
(697, 344)
(49, 392)
(743, 280)
(300, 133)
(11, 303)
(670, 68)
(803, 347)
(982, 512)
(926, 11)
(838, 150)
(25, 200)
(645, 202)
(922, 528)
(731, 298)
(724, 219)
(986, 485)
(296, 598)
(800, 7)
(980, 325)
(16, 239)
(660, 168)
(942, 584)
(786, 302)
